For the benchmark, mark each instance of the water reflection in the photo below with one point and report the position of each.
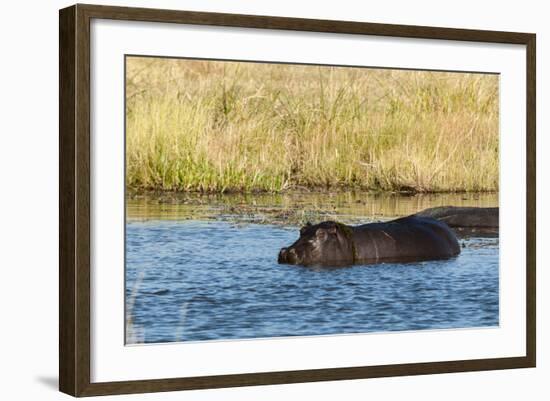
(293, 208)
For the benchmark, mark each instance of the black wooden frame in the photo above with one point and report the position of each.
(74, 199)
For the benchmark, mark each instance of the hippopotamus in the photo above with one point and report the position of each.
(466, 220)
(406, 239)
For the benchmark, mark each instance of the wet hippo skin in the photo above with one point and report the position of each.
(406, 239)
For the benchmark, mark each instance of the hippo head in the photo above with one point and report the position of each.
(327, 243)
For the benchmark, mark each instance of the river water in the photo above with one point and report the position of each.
(205, 268)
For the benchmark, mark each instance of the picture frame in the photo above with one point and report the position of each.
(76, 200)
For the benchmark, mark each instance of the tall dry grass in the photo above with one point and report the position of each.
(228, 126)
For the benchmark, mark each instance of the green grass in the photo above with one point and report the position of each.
(227, 126)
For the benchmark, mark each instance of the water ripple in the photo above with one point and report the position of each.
(215, 280)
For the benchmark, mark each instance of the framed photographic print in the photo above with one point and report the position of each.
(250, 200)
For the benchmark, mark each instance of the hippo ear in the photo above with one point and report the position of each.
(332, 230)
(304, 228)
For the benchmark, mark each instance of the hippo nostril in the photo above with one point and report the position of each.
(282, 255)
(292, 256)
(288, 255)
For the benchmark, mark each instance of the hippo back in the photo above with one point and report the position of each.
(405, 239)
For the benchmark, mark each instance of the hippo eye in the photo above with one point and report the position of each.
(321, 233)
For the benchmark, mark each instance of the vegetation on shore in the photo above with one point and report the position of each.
(213, 126)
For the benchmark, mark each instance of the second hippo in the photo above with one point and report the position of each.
(466, 221)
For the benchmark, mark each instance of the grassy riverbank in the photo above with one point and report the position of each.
(216, 127)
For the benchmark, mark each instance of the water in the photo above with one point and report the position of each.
(205, 274)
